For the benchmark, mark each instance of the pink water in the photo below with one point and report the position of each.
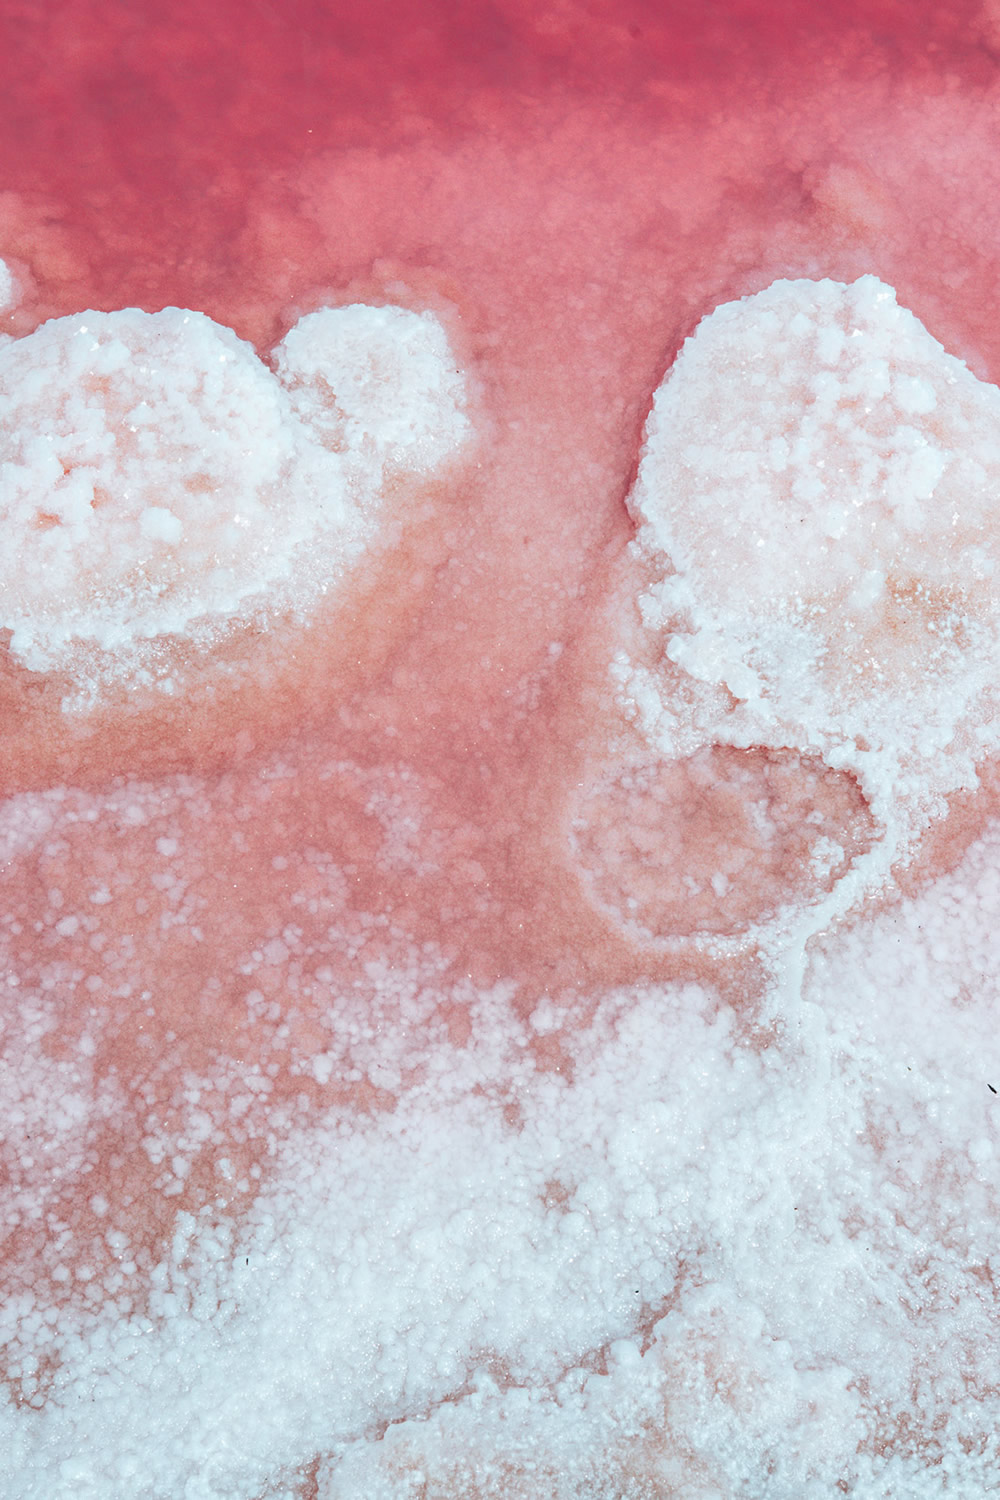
(302, 878)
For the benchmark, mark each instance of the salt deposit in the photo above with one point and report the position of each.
(376, 378)
(817, 495)
(8, 288)
(694, 1259)
(158, 480)
(688, 1267)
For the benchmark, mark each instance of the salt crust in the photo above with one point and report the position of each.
(809, 1233)
(818, 494)
(157, 479)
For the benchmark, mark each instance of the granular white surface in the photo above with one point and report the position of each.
(8, 289)
(158, 480)
(393, 385)
(808, 1231)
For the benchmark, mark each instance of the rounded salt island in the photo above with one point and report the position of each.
(157, 480)
(354, 402)
(819, 623)
(819, 479)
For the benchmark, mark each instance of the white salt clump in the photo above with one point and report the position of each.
(156, 478)
(380, 378)
(822, 476)
(142, 456)
(819, 485)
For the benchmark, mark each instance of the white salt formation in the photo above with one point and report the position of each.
(8, 290)
(156, 479)
(682, 1262)
(820, 483)
(393, 385)
(688, 1261)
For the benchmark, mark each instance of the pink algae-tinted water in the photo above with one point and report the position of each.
(294, 890)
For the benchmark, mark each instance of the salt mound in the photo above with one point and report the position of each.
(816, 505)
(822, 476)
(156, 478)
(142, 455)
